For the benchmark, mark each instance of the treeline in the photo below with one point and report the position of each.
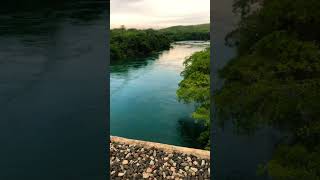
(192, 32)
(195, 88)
(134, 43)
(275, 80)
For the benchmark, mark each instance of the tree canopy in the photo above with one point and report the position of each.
(195, 88)
(134, 43)
(274, 80)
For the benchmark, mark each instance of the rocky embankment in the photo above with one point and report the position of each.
(133, 159)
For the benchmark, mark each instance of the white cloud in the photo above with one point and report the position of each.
(158, 13)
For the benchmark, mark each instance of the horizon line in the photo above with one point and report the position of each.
(139, 28)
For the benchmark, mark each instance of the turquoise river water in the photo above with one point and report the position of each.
(143, 98)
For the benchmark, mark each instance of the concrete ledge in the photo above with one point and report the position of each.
(164, 147)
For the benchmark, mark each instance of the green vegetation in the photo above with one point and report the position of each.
(195, 88)
(275, 80)
(134, 43)
(192, 32)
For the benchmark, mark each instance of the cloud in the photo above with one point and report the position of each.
(158, 13)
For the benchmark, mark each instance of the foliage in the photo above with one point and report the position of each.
(134, 43)
(275, 79)
(195, 88)
(192, 32)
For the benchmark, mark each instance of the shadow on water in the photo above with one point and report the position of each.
(124, 66)
(190, 130)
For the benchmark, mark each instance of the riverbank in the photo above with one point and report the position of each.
(135, 159)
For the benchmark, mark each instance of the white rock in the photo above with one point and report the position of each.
(203, 163)
(121, 174)
(124, 162)
(193, 169)
(145, 175)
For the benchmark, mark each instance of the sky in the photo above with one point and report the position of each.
(156, 14)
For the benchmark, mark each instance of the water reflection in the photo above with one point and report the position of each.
(190, 130)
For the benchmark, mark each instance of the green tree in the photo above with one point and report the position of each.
(274, 80)
(128, 44)
(195, 88)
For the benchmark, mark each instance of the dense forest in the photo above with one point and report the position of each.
(192, 32)
(134, 43)
(195, 88)
(274, 81)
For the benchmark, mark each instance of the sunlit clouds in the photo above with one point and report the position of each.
(158, 13)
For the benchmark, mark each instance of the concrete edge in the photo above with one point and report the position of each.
(165, 147)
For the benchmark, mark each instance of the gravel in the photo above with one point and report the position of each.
(136, 162)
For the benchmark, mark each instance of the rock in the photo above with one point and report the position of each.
(174, 164)
(184, 164)
(125, 162)
(164, 174)
(145, 175)
(129, 154)
(149, 170)
(121, 174)
(203, 163)
(136, 162)
(193, 169)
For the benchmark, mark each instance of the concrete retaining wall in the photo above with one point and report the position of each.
(164, 147)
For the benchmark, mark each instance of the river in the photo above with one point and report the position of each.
(53, 109)
(143, 98)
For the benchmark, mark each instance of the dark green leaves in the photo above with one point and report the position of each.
(195, 88)
(275, 80)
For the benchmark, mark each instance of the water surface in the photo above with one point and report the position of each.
(143, 98)
(53, 112)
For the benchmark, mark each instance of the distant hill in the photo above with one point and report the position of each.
(189, 28)
(190, 32)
